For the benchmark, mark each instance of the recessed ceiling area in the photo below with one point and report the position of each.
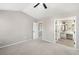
(53, 9)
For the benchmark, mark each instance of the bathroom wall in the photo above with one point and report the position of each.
(15, 26)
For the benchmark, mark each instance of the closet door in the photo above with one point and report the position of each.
(35, 30)
(40, 28)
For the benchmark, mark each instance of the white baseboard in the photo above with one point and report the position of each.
(15, 43)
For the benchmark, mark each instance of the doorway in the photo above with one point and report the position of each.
(65, 32)
(35, 30)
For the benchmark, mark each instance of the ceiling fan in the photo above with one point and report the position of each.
(43, 5)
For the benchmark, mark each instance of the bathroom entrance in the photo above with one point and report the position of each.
(65, 32)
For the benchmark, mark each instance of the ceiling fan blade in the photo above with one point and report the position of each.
(36, 5)
(44, 5)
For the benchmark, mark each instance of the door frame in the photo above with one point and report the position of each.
(55, 37)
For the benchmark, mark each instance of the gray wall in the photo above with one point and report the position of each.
(14, 26)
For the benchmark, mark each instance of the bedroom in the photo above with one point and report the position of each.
(29, 30)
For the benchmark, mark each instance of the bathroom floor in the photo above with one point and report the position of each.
(66, 42)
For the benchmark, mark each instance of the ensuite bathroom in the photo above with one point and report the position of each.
(65, 32)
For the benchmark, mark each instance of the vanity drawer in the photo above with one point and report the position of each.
(69, 36)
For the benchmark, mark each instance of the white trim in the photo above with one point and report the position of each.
(54, 31)
(75, 18)
(14, 43)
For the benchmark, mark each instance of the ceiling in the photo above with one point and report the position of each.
(54, 10)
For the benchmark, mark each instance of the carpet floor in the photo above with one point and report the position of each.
(38, 47)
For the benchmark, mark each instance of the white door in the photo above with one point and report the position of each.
(57, 30)
(35, 30)
(40, 30)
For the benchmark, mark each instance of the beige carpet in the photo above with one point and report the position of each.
(37, 47)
